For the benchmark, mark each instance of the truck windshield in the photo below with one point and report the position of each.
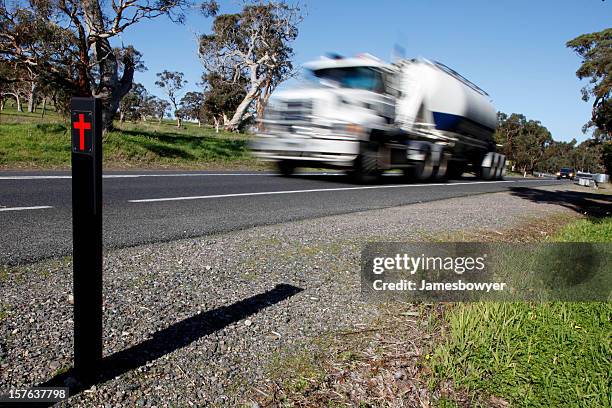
(352, 77)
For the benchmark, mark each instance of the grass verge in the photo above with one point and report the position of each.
(551, 354)
(586, 230)
(28, 141)
(528, 355)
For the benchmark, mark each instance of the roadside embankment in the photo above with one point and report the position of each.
(29, 142)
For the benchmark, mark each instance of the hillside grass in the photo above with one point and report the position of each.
(30, 141)
(530, 355)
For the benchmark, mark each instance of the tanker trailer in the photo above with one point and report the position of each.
(366, 116)
(439, 105)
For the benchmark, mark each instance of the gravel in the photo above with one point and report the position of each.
(179, 308)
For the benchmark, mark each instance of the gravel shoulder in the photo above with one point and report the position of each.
(199, 321)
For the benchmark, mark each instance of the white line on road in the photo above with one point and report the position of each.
(112, 176)
(33, 177)
(315, 190)
(38, 207)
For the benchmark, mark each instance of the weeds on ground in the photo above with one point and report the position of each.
(586, 230)
(367, 365)
(545, 354)
(551, 354)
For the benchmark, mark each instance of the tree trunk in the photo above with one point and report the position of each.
(44, 107)
(261, 107)
(18, 99)
(32, 98)
(242, 108)
(262, 102)
(110, 89)
(178, 122)
(199, 123)
(216, 124)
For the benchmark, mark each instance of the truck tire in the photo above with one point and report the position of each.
(421, 171)
(286, 168)
(487, 170)
(365, 169)
(501, 168)
(440, 171)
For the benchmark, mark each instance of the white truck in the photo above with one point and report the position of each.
(367, 116)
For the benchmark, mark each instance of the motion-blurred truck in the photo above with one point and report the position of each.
(367, 116)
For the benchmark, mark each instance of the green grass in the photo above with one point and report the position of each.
(552, 354)
(587, 230)
(532, 355)
(26, 145)
(299, 369)
(138, 145)
(29, 141)
(11, 115)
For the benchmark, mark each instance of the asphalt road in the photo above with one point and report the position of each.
(153, 206)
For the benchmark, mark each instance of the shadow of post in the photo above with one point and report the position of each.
(174, 337)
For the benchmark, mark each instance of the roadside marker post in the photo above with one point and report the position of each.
(86, 133)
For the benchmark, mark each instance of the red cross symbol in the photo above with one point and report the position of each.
(82, 126)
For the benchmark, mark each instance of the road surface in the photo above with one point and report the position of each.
(156, 206)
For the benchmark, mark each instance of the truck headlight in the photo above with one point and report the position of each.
(353, 129)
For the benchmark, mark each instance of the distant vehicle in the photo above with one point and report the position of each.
(367, 116)
(566, 172)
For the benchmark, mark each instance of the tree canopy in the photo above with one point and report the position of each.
(254, 44)
(191, 106)
(595, 49)
(172, 83)
(529, 146)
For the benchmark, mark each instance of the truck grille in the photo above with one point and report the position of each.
(296, 111)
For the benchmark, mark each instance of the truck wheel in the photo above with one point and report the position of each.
(441, 170)
(501, 167)
(365, 169)
(425, 169)
(286, 168)
(487, 169)
(421, 171)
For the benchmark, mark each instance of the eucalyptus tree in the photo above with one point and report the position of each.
(172, 84)
(595, 49)
(254, 44)
(67, 43)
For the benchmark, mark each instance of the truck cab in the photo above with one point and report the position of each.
(323, 123)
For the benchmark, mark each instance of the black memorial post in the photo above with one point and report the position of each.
(86, 124)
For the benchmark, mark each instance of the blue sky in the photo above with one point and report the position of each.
(515, 50)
